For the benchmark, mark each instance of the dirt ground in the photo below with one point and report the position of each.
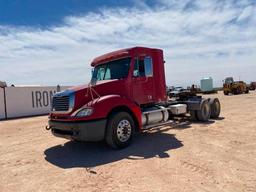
(216, 156)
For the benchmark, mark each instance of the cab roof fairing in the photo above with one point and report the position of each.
(118, 55)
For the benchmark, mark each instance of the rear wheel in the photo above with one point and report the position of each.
(215, 108)
(120, 130)
(234, 91)
(225, 92)
(193, 116)
(204, 113)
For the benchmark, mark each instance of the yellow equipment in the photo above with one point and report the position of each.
(234, 87)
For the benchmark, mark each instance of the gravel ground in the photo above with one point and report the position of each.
(216, 156)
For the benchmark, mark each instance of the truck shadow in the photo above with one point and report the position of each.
(79, 154)
(155, 142)
(184, 123)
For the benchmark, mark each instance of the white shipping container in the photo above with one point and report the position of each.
(29, 101)
(2, 111)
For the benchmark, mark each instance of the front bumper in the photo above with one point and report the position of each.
(81, 131)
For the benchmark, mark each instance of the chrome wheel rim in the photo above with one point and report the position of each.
(124, 130)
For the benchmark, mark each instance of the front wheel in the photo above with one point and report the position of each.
(120, 130)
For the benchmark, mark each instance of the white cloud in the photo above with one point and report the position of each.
(199, 38)
(246, 13)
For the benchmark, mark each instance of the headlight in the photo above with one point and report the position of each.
(84, 112)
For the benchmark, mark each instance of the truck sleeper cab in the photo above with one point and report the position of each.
(127, 93)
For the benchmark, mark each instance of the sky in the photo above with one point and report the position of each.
(52, 42)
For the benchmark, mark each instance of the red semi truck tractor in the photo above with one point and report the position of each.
(126, 94)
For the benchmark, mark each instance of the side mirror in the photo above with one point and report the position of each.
(3, 84)
(93, 81)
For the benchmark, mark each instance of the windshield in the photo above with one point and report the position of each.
(117, 69)
(229, 80)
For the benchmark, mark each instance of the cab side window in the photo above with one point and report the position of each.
(143, 67)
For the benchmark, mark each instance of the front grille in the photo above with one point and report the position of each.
(60, 103)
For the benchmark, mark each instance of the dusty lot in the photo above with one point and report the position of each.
(217, 156)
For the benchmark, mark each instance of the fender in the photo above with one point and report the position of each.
(103, 106)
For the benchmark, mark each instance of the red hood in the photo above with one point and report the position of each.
(85, 86)
(104, 87)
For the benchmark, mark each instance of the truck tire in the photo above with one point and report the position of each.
(225, 92)
(205, 112)
(193, 116)
(120, 130)
(236, 91)
(215, 108)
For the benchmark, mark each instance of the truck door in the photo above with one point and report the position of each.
(143, 84)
